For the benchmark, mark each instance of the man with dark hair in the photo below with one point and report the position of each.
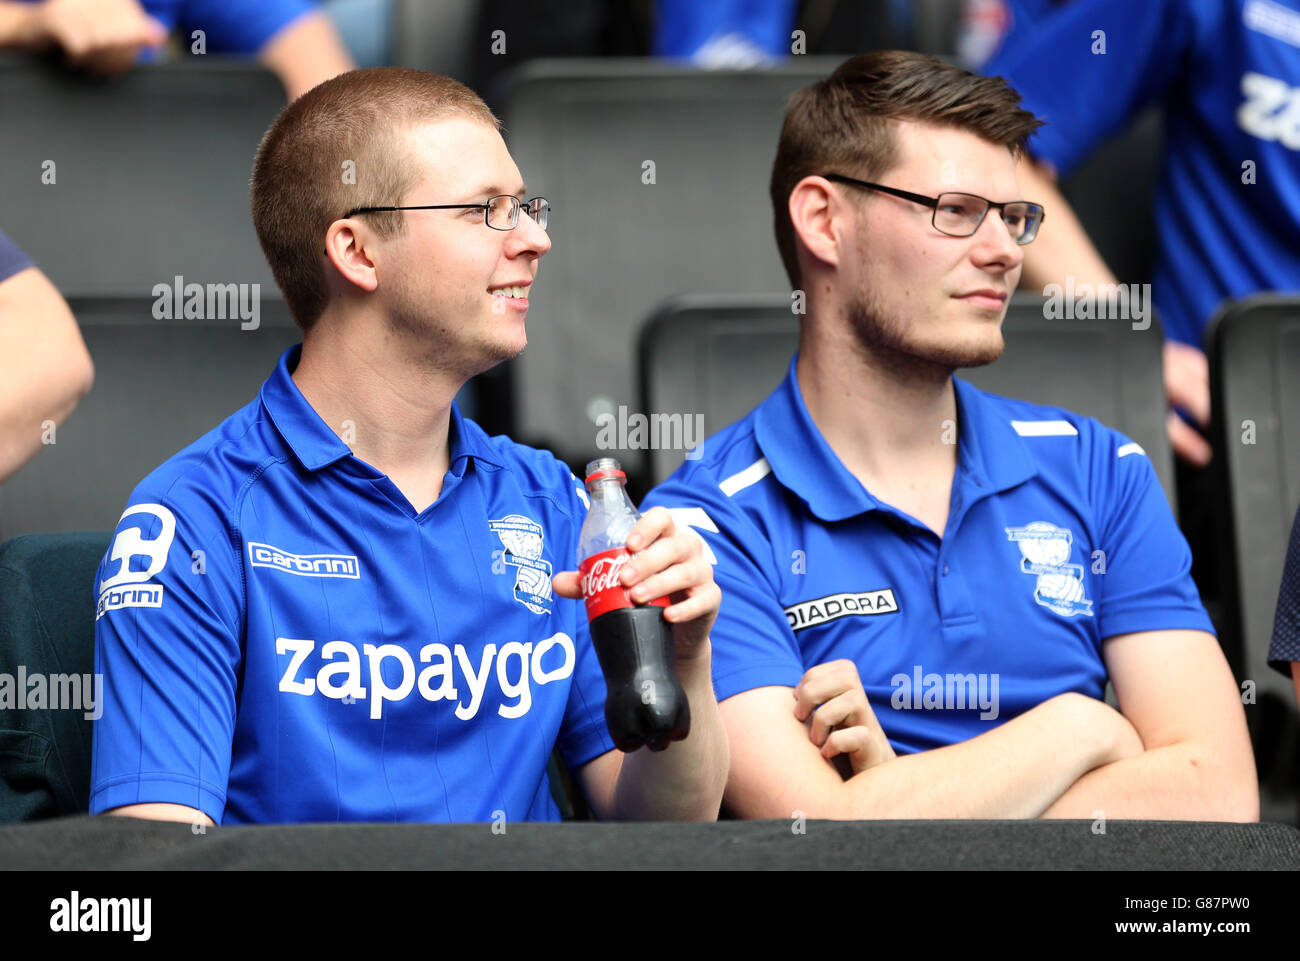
(338, 605)
(927, 586)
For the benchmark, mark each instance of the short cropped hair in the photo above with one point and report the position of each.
(342, 145)
(842, 124)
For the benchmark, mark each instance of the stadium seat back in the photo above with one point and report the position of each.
(1254, 349)
(719, 356)
(658, 176)
(114, 186)
(159, 385)
(47, 644)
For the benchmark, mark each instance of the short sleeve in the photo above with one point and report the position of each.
(168, 631)
(752, 642)
(1285, 647)
(1144, 572)
(584, 734)
(240, 26)
(12, 260)
(1117, 53)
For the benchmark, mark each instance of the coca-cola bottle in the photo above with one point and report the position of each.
(644, 703)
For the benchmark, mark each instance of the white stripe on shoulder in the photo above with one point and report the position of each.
(752, 474)
(1130, 448)
(1044, 428)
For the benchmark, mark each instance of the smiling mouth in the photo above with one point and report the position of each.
(515, 292)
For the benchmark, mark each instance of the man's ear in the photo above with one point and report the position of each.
(346, 244)
(814, 211)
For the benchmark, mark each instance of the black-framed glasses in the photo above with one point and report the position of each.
(960, 215)
(499, 213)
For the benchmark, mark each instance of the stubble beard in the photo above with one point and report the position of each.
(888, 341)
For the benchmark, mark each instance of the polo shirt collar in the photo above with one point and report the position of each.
(991, 454)
(316, 445)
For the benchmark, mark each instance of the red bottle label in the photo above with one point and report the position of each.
(601, 587)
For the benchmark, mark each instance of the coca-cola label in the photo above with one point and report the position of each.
(601, 587)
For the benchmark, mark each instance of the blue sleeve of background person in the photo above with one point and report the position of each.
(682, 27)
(234, 26)
(12, 260)
(1145, 570)
(170, 672)
(1086, 97)
(1286, 623)
(583, 733)
(752, 643)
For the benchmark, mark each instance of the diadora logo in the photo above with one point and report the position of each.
(307, 565)
(127, 587)
(834, 606)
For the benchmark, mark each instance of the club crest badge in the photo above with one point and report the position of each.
(522, 539)
(1045, 553)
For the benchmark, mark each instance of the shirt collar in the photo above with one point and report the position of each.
(804, 463)
(316, 445)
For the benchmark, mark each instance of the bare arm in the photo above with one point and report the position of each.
(1177, 690)
(163, 812)
(45, 368)
(103, 36)
(307, 52)
(1015, 770)
(684, 782)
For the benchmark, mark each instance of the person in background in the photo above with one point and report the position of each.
(1284, 651)
(1227, 76)
(293, 38)
(45, 368)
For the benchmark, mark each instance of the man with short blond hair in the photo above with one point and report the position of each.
(330, 608)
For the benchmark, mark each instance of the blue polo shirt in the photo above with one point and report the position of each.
(1058, 536)
(283, 638)
(12, 259)
(1227, 76)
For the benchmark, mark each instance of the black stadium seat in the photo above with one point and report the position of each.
(583, 134)
(159, 385)
(721, 355)
(47, 623)
(113, 187)
(1254, 351)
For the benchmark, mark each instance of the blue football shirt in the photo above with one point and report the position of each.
(1058, 536)
(1227, 75)
(12, 259)
(282, 637)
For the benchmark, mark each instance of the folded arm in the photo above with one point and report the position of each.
(1176, 689)
(1015, 770)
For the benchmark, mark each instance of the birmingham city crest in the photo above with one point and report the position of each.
(1045, 553)
(522, 539)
